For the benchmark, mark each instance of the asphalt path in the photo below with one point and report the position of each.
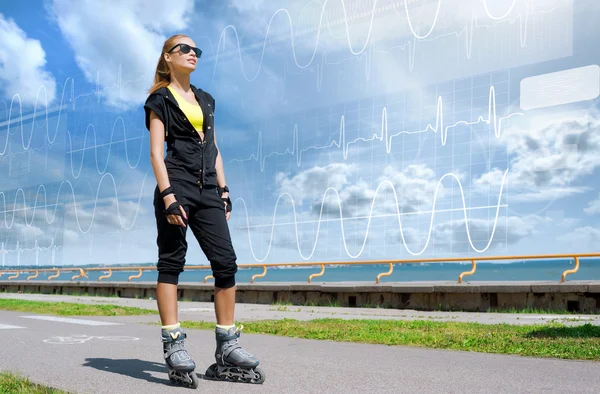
(113, 355)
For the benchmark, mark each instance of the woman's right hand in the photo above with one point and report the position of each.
(172, 218)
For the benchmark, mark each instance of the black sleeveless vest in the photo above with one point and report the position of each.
(188, 157)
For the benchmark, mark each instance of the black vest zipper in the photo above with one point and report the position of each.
(202, 141)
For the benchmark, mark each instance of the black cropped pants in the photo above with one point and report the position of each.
(206, 218)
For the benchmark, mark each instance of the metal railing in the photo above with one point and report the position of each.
(82, 273)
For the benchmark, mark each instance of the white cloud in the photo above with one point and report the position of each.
(311, 184)
(22, 67)
(103, 215)
(586, 237)
(244, 6)
(414, 187)
(550, 154)
(120, 38)
(473, 235)
(593, 207)
(476, 234)
(22, 222)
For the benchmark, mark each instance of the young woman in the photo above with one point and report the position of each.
(191, 191)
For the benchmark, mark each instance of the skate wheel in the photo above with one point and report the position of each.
(188, 379)
(259, 376)
(195, 380)
(235, 374)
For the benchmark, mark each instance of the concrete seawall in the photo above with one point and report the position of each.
(577, 296)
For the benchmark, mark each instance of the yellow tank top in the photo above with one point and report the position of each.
(192, 112)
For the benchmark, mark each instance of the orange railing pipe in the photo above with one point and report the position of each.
(571, 271)
(317, 274)
(83, 273)
(385, 273)
(473, 268)
(259, 275)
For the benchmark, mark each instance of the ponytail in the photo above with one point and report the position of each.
(162, 76)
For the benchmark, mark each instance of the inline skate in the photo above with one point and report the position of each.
(234, 364)
(179, 363)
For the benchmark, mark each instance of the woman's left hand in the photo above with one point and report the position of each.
(227, 213)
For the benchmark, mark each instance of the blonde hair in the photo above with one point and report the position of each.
(162, 76)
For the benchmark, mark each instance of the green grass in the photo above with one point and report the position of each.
(13, 384)
(547, 340)
(70, 309)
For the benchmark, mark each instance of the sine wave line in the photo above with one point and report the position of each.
(319, 28)
(69, 186)
(380, 186)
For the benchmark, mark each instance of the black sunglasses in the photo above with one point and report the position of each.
(185, 48)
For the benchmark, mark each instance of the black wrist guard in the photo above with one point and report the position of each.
(228, 201)
(166, 192)
(173, 209)
(222, 190)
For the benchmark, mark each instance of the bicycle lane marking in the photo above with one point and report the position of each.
(8, 327)
(80, 339)
(72, 321)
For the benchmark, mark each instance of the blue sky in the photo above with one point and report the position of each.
(332, 120)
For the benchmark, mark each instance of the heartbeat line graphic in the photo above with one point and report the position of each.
(382, 185)
(36, 248)
(384, 136)
(468, 32)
